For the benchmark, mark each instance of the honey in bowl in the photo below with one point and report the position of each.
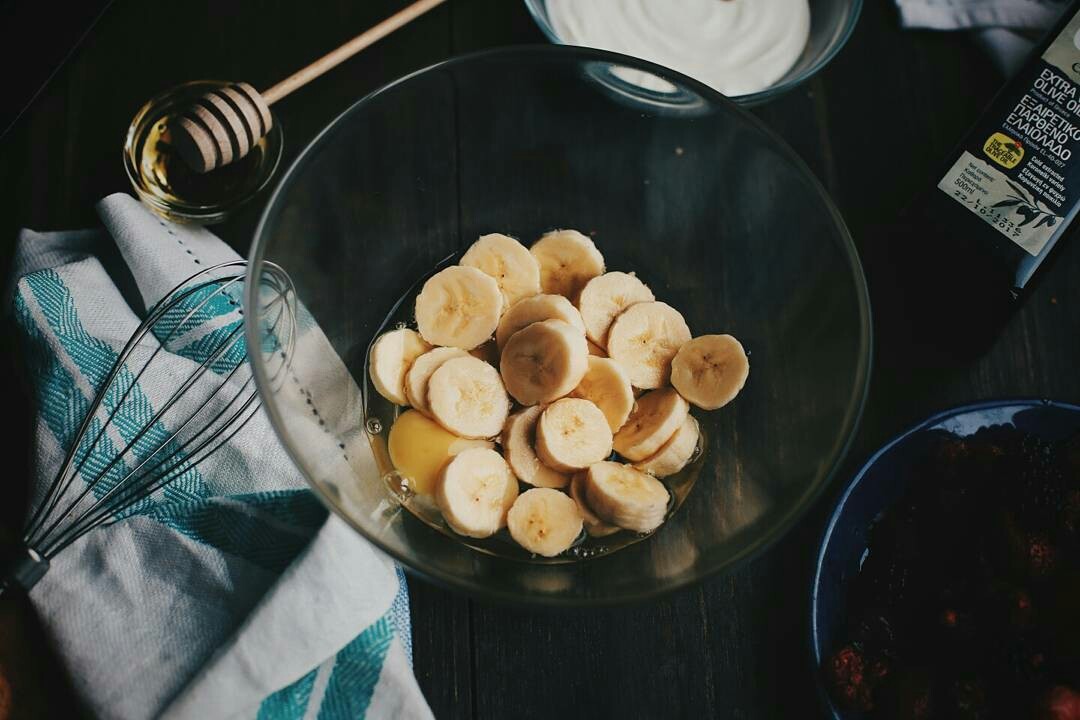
(165, 183)
(179, 183)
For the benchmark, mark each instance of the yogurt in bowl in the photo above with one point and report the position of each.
(749, 50)
(738, 47)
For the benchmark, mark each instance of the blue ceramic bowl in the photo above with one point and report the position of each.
(878, 484)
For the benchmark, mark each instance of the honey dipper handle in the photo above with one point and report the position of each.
(335, 57)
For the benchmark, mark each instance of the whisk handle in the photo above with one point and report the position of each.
(24, 568)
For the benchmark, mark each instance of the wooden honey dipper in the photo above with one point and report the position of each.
(223, 125)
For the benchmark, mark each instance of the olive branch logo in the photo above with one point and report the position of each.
(1027, 207)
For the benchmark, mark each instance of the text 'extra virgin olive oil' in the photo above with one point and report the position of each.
(961, 259)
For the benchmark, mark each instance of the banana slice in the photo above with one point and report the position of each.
(607, 386)
(458, 307)
(605, 297)
(420, 448)
(518, 439)
(624, 496)
(595, 349)
(593, 524)
(511, 264)
(391, 356)
(572, 434)
(544, 521)
(534, 309)
(475, 493)
(710, 370)
(467, 397)
(656, 417)
(674, 455)
(644, 339)
(544, 361)
(420, 372)
(567, 260)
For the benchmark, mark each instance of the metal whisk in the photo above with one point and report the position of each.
(208, 405)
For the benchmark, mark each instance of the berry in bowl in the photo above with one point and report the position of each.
(948, 580)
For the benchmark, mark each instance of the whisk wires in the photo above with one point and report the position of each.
(198, 325)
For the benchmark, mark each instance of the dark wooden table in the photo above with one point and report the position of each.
(873, 126)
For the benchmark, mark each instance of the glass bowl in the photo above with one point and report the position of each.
(831, 24)
(164, 182)
(713, 211)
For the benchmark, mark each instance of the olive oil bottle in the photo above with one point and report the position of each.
(967, 252)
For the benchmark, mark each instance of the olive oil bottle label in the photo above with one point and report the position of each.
(984, 189)
(1020, 173)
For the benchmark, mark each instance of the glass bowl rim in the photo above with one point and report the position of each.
(814, 634)
(754, 98)
(210, 213)
(855, 404)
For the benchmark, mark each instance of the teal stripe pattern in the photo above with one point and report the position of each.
(95, 359)
(351, 685)
(399, 609)
(356, 672)
(247, 525)
(288, 703)
(299, 508)
(62, 407)
(201, 308)
(230, 336)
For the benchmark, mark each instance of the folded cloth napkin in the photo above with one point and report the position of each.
(996, 21)
(233, 595)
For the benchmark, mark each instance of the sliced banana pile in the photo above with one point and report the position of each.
(530, 367)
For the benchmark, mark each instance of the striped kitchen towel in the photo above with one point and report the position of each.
(234, 595)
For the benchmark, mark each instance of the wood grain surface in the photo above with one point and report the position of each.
(873, 127)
